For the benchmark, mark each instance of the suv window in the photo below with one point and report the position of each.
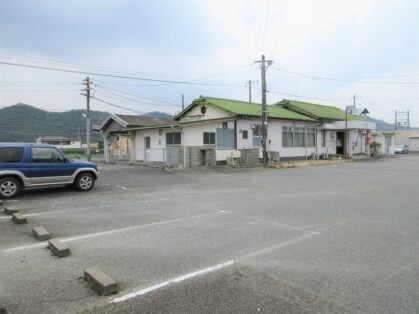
(45, 155)
(11, 154)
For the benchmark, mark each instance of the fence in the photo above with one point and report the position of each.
(81, 153)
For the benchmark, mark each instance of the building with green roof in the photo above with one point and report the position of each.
(316, 111)
(214, 130)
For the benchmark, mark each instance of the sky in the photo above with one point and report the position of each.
(323, 51)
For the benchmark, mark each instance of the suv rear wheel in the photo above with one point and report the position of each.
(9, 187)
(84, 181)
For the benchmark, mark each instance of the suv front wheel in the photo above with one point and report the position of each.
(9, 187)
(84, 181)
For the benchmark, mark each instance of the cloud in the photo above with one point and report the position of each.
(190, 40)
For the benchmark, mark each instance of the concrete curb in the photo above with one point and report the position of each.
(102, 283)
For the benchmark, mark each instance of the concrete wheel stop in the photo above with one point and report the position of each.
(10, 211)
(100, 282)
(41, 233)
(19, 219)
(58, 248)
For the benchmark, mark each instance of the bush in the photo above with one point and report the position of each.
(374, 147)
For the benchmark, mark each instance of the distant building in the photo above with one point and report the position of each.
(409, 138)
(59, 141)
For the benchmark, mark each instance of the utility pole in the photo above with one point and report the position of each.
(249, 83)
(88, 127)
(264, 109)
(183, 102)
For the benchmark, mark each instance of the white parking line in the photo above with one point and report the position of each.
(168, 282)
(277, 246)
(98, 234)
(274, 223)
(36, 214)
(209, 269)
(121, 187)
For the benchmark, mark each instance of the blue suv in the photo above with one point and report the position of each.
(35, 165)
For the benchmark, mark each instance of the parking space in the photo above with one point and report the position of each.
(339, 238)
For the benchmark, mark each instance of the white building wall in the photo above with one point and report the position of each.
(157, 145)
(193, 136)
(275, 139)
(73, 144)
(212, 112)
(245, 125)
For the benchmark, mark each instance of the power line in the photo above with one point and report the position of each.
(113, 75)
(266, 25)
(33, 83)
(132, 100)
(312, 77)
(111, 104)
(38, 91)
(127, 93)
(310, 97)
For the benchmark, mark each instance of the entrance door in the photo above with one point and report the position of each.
(340, 143)
(147, 150)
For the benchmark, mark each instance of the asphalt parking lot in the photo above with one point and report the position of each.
(329, 239)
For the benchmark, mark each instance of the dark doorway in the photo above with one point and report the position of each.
(340, 143)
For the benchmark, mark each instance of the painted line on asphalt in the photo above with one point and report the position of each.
(121, 187)
(36, 214)
(168, 282)
(274, 223)
(276, 246)
(209, 269)
(104, 233)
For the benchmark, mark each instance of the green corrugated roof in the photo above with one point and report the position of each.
(319, 111)
(252, 109)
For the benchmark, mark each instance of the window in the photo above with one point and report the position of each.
(225, 125)
(311, 137)
(46, 155)
(244, 134)
(296, 136)
(299, 137)
(323, 138)
(287, 136)
(209, 138)
(225, 138)
(257, 135)
(173, 138)
(160, 132)
(203, 109)
(11, 154)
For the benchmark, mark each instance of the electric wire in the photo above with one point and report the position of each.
(312, 77)
(114, 75)
(127, 93)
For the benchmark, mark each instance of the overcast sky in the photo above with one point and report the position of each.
(323, 52)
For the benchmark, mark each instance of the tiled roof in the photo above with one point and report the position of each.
(244, 108)
(133, 120)
(316, 111)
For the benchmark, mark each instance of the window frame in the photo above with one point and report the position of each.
(47, 161)
(210, 137)
(173, 138)
(221, 142)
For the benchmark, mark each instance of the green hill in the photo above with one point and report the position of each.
(24, 123)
